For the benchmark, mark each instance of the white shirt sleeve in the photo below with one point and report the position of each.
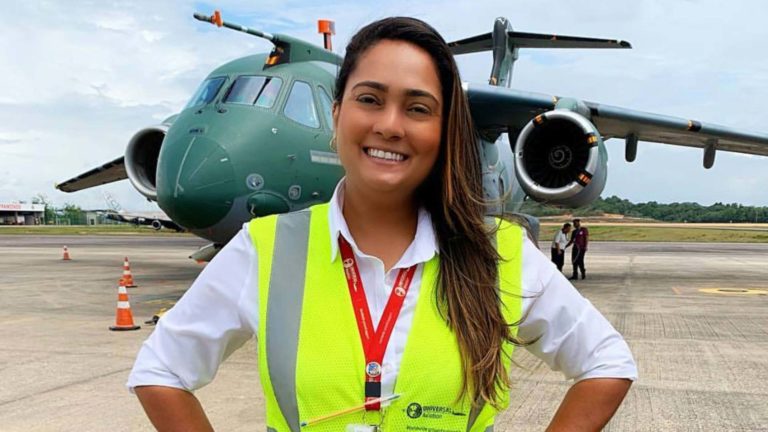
(575, 338)
(217, 315)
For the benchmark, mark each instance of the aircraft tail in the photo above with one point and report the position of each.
(505, 43)
(112, 203)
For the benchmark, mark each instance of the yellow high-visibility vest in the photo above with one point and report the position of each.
(311, 360)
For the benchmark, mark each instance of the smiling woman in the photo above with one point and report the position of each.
(388, 124)
(397, 305)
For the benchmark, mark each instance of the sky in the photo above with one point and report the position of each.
(79, 78)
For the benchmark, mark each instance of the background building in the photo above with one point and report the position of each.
(21, 214)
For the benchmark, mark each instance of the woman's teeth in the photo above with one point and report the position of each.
(381, 154)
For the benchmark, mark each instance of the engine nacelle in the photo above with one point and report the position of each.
(141, 159)
(560, 159)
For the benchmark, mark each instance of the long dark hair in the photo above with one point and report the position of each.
(453, 194)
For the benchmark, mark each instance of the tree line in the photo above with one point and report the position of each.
(68, 214)
(673, 212)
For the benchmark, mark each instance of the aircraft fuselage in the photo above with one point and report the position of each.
(226, 159)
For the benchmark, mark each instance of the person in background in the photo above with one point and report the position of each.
(579, 240)
(559, 244)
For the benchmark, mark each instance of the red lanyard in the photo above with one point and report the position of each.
(374, 341)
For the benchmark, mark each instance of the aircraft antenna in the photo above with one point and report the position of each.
(328, 29)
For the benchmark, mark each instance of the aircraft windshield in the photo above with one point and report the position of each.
(326, 107)
(300, 106)
(206, 92)
(254, 90)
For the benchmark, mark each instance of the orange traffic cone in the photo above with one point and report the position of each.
(127, 279)
(124, 317)
(66, 255)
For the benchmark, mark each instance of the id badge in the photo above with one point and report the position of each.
(362, 428)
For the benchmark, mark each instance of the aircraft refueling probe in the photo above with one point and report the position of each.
(216, 20)
(287, 49)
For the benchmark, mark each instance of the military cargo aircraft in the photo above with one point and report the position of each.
(157, 220)
(253, 140)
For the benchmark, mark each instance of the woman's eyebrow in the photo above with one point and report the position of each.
(373, 84)
(421, 93)
(409, 92)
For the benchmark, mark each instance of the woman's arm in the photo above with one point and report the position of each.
(171, 409)
(589, 405)
(217, 315)
(576, 339)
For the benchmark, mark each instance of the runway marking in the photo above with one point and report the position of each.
(734, 291)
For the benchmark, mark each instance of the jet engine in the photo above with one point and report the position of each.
(560, 159)
(141, 159)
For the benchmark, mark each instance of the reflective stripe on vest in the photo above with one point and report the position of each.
(310, 356)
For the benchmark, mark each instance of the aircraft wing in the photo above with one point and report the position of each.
(616, 122)
(155, 221)
(107, 173)
(169, 224)
(498, 107)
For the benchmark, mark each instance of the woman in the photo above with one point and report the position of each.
(402, 253)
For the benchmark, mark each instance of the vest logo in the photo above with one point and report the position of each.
(399, 291)
(348, 263)
(414, 410)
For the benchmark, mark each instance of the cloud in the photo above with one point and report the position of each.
(79, 78)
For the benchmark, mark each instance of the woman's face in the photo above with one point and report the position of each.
(388, 124)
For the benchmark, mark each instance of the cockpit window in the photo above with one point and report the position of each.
(254, 90)
(206, 92)
(300, 106)
(326, 107)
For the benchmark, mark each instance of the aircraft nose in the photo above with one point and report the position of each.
(195, 182)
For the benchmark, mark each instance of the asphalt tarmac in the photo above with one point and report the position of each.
(702, 355)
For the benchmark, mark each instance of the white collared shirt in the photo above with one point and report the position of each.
(220, 312)
(560, 240)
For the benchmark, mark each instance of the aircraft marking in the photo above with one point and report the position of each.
(322, 157)
(178, 176)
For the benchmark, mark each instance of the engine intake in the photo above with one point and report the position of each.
(141, 159)
(560, 159)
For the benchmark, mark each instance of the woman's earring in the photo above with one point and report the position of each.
(332, 144)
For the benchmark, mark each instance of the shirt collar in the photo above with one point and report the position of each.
(422, 249)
